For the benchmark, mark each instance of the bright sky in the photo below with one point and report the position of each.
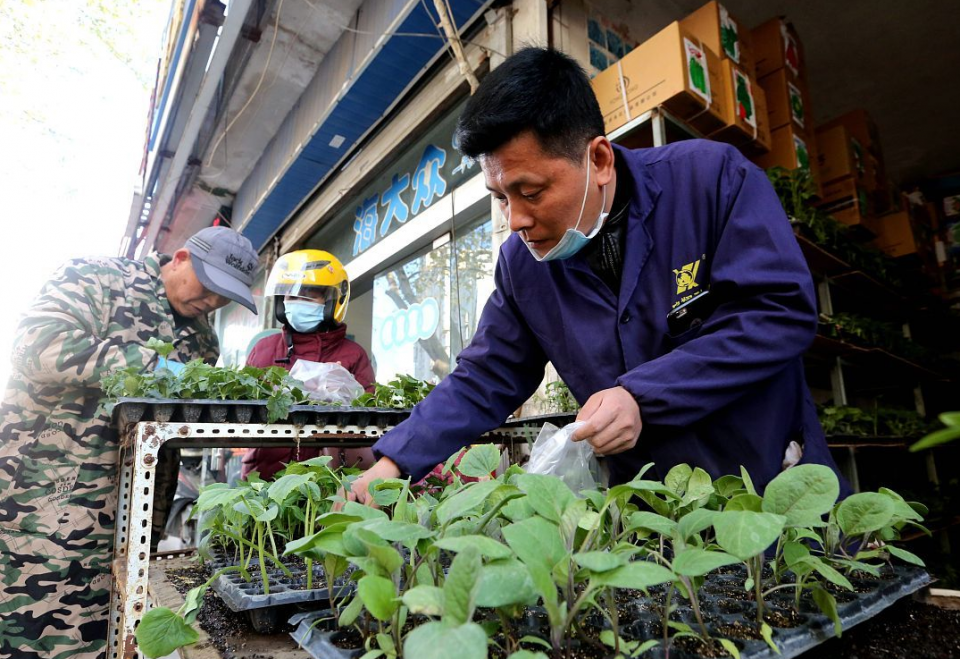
(72, 123)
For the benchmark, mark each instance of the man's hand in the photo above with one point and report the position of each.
(611, 421)
(383, 468)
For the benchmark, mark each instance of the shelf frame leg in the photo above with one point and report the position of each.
(659, 127)
(131, 559)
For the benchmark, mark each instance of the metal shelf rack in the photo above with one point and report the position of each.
(660, 122)
(140, 445)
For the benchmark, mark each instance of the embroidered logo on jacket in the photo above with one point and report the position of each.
(687, 277)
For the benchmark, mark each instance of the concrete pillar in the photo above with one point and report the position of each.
(529, 23)
(568, 22)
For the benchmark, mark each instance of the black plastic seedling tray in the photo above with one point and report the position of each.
(161, 410)
(266, 611)
(316, 631)
(873, 596)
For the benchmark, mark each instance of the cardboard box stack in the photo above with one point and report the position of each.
(744, 118)
(721, 33)
(778, 58)
(672, 69)
(914, 231)
(863, 147)
(853, 174)
(894, 234)
(849, 203)
(702, 70)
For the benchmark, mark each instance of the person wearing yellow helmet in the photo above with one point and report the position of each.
(311, 291)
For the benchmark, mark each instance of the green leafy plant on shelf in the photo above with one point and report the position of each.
(198, 380)
(403, 392)
(558, 398)
(203, 381)
(872, 333)
(796, 193)
(463, 567)
(880, 422)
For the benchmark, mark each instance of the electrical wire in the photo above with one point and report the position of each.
(286, 56)
(425, 35)
(273, 42)
(345, 28)
(456, 33)
(438, 28)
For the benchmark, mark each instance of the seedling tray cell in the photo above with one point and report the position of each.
(264, 609)
(163, 410)
(135, 410)
(316, 632)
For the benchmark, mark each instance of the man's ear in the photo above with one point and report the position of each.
(603, 159)
(181, 256)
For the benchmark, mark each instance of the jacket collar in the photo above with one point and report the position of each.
(645, 193)
(646, 190)
(329, 339)
(153, 261)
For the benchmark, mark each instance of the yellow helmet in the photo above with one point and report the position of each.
(314, 275)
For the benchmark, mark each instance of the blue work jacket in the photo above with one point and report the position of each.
(726, 393)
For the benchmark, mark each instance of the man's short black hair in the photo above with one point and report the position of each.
(537, 89)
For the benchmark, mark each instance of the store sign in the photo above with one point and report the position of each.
(426, 172)
(382, 209)
(417, 322)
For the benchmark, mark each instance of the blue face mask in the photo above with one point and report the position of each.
(303, 316)
(574, 240)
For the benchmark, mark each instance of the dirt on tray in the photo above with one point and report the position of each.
(908, 629)
(702, 648)
(739, 630)
(218, 621)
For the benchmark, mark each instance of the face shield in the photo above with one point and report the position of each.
(308, 292)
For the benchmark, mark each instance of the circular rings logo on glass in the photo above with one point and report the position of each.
(418, 321)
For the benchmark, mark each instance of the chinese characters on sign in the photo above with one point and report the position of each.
(374, 217)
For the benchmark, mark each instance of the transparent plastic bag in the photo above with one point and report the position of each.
(555, 454)
(326, 382)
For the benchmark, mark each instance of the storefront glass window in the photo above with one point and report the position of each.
(426, 309)
(236, 326)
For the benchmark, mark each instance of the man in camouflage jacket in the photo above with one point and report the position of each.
(58, 450)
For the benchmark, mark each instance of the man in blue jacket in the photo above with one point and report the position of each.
(608, 243)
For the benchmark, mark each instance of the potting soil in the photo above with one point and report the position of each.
(725, 616)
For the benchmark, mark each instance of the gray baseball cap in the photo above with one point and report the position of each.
(224, 262)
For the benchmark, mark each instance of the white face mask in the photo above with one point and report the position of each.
(574, 240)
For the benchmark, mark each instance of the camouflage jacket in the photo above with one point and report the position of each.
(58, 451)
